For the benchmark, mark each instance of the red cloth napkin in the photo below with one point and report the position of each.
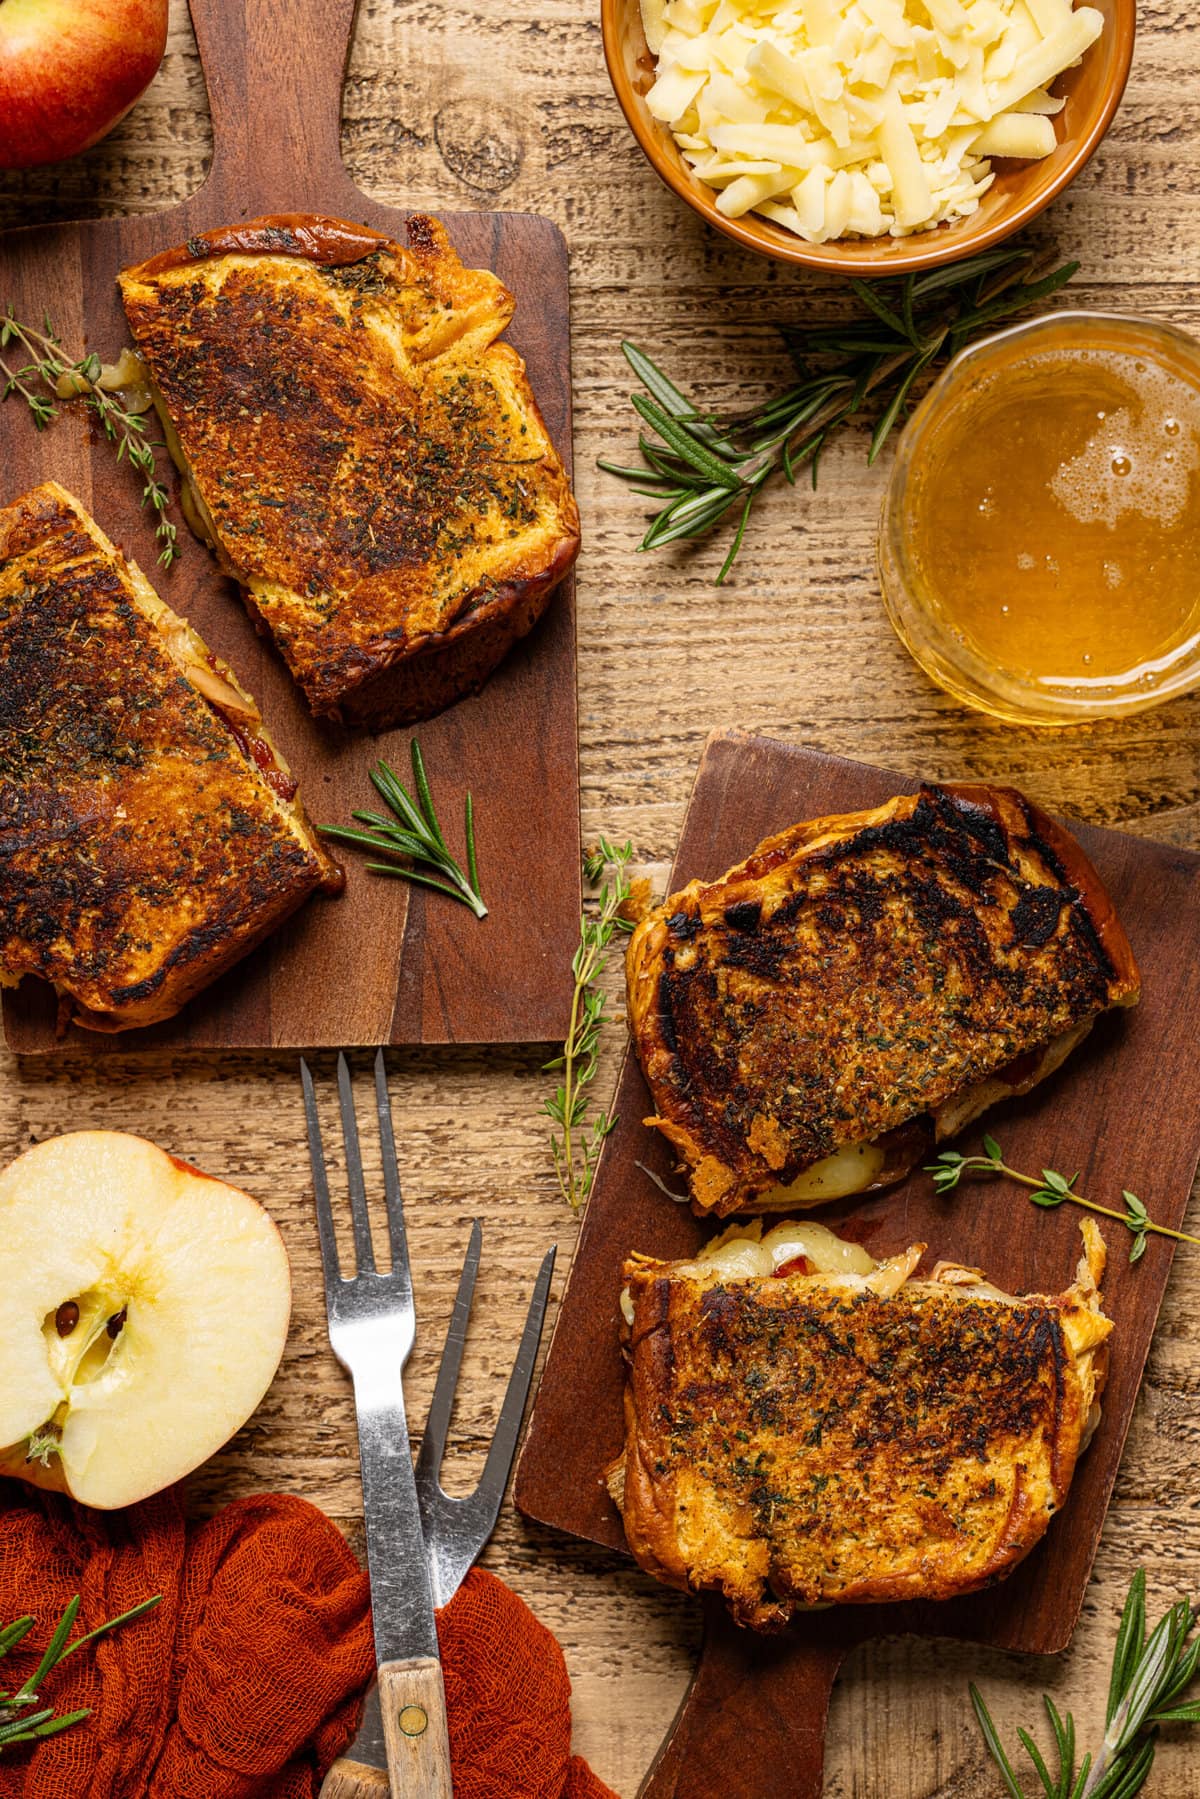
(245, 1682)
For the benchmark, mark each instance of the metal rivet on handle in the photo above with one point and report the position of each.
(413, 1720)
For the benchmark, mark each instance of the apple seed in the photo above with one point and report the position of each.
(116, 1322)
(66, 1318)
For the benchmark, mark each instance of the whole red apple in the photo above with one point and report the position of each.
(69, 69)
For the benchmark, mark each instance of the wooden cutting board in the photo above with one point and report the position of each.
(1125, 1112)
(385, 963)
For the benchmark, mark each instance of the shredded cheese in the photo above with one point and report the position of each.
(859, 118)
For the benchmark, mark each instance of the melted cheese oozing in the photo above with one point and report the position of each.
(199, 519)
(846, 1171)
(742, 1253)
(859, 118)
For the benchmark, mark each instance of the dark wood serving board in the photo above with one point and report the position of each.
(1125, 1111)
(385, 963)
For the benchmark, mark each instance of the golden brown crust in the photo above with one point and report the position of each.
(371, 463)
(864, 975)
(792, 1442)
(150, 833)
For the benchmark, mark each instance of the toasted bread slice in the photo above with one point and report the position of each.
(829, 1431)
(364, 457)
(862, 986)
(150, 833)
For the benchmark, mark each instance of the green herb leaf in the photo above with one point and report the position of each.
(417, 838)
(1179, 1714)
(995, 1748)
(576, 1152)
(1035, 1755)
(703, 466)
(1131, 1635)
(123, 428)
(1149, 1674)
(1064, 1743)
(685, 444)
(1053, 1189)
(23, 1719)
(653, 379)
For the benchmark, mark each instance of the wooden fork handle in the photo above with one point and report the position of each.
(351, 1780)
(412, 1703)
(412, 1700)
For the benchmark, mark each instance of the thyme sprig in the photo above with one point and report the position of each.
(23, 1717)
(702, 467)
(1150, 1676)
(577, 1150)
(417, 838)
(65, 380)
(1049, 1190)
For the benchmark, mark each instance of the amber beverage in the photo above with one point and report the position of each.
(1040, 543)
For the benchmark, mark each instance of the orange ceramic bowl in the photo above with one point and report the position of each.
(1020, 191)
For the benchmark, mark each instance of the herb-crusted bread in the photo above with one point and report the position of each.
(367, 461)
(818, 1434)
(150, 833)
(861, 986)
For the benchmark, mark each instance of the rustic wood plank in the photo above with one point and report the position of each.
(476, 104)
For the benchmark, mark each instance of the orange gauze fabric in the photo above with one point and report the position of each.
(508, 1699)
(245, 1682)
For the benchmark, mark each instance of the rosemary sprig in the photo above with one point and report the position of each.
(576, 1151)
(702, 467)
(23, 1719)
(417, 838)
(1150, 1676)
(1049, 1190)
(65, 380)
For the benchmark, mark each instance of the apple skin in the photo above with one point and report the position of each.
(69, 70)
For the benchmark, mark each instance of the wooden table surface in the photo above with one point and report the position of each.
(467, 103)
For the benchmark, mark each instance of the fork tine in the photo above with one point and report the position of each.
(397, 1235)
(437, 1425)
(329, 1254)
(494, 1478)
(364, 1252)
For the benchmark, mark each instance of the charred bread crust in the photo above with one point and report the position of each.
(370, 463)
(1023, 822)
(447, 666)
(768, 1457)
(150, 835)
(331, 242)
(791, 1008)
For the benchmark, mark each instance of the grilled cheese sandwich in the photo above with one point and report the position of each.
(863, 986)
(367, 461)
(805, 1427)
(150, 831)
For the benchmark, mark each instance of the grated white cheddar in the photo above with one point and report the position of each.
(859, 118)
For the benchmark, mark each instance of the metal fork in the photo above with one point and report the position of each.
(420, 1541)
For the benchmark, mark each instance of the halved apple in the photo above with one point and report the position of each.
(143, 1311)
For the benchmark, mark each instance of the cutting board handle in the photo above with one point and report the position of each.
(753, 1720)
(274, 70)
